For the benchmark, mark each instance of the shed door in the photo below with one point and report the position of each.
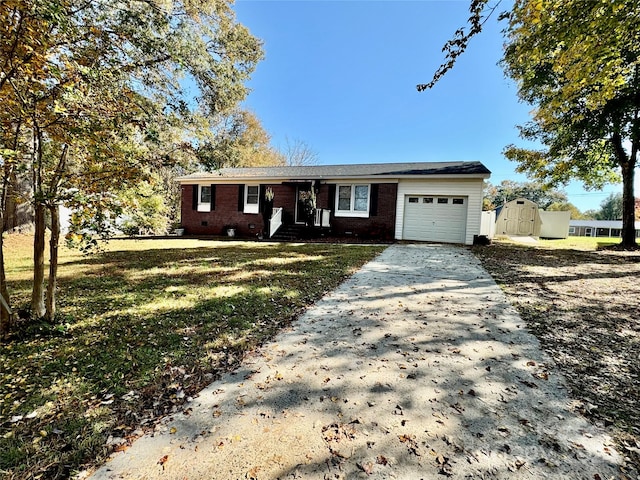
(526, 220)
(520, 220)
(435, 218)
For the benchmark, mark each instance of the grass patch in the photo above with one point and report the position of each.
(580, 243)
(143, 326)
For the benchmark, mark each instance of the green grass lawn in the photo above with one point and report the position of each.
(142, 326)
(573, 243)
(581, 243)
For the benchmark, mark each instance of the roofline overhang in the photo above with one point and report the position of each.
(326, 179)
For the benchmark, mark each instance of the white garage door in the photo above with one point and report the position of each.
(435, 218)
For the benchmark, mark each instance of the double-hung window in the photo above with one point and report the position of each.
(204, 198)
(352, 200)
(251, 198)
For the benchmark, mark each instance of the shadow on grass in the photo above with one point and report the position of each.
(585, 309)
(418, 368)
(142, 330)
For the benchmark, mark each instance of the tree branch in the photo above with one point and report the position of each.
(460, 41)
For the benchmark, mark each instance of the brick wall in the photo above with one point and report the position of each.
(226, 213)
(379, 225)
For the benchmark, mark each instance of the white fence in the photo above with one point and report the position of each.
(488, 224)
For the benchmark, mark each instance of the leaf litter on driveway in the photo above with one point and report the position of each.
(415, 367)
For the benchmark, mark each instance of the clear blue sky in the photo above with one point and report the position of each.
(340, 75)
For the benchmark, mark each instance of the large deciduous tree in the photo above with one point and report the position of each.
(578, 63)
(239, 141)
(84, 83)
(611, 208)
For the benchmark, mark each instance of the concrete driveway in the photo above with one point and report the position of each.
(416, 367)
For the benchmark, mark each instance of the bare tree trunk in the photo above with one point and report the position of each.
(37, 294)
(628, 208)
(5, 310)
(627, 164)
(6, 189)
(5, 313)
(10, 204)
(53, 262)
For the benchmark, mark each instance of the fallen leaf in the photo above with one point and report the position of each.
(366, 467)
(163, 460)
(253, 473)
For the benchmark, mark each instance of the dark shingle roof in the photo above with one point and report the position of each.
(345, 171)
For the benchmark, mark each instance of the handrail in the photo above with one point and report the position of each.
(322, 218)
(275, 222)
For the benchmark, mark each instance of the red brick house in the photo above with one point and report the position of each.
(440, 202)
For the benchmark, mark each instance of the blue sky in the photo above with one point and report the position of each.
(340, 75)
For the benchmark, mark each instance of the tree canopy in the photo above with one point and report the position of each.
(610, 208)
(239, 141)
(87, 88)
(507, 190)
(578, 64)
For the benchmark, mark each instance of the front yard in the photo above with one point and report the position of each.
(143, 326)
(584, 307)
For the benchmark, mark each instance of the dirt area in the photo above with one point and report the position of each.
(584, 307)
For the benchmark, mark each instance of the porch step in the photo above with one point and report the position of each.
(287, 233)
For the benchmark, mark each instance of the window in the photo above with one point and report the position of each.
(572, 230)
(205, 194)
(352, 200)
(458, 201)
(251, 198)
(204, 198)
(427, 200)
(443, 200)
(413, 199)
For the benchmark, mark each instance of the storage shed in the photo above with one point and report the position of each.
(519, 217)
(555, 224)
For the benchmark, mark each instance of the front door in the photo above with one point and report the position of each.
(301, 190)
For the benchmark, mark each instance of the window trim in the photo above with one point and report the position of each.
(352, 212)
(251, 207)
(204, 206)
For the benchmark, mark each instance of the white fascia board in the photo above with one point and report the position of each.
(365, 178)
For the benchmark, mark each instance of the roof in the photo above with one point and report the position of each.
(596, 223)
(323, 172)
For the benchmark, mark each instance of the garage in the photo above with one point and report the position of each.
(432, 218)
